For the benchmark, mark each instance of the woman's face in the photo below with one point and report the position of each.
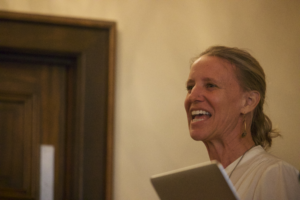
(214, 99)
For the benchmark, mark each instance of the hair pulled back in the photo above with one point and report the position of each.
(251, 77)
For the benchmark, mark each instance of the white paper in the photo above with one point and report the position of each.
(47, 172)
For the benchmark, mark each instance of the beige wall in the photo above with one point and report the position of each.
(156, 39)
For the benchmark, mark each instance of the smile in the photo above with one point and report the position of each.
(200, 115)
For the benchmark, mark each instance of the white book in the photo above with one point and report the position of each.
(205, 181)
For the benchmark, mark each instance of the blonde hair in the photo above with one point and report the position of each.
(251, 76)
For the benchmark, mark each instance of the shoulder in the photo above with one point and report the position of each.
(279, 169)
(270, 166)
(259, 157)
(271, 163)
(264, 176)
(278, 179)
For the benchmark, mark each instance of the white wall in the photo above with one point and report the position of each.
(156, 40)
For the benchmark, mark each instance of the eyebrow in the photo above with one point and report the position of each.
(190, 81)
(210, 80)
(206, 79)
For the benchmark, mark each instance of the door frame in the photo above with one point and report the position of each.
(90, 45)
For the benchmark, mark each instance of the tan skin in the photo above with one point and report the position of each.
(213, 89)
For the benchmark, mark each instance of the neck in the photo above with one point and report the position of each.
(228, 150)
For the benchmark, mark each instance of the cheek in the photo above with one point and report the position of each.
(231, 106)
(222, 104)
(186, 104)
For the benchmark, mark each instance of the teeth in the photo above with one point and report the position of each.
(200, 112)
(196, 120)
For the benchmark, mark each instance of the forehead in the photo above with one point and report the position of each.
(211, 67)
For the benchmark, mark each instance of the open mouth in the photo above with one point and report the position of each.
(200, 115)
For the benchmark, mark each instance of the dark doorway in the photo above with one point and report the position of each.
(56, 88)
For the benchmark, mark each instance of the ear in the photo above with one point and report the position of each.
(252, 99)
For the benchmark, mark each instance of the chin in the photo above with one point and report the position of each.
(196, 136)
(200, 134)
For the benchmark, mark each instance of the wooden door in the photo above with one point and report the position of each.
(32, 112)
(56, 88)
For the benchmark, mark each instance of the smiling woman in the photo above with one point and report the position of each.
(216, 91)
(224, 105)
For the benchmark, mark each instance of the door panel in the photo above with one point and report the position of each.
(12, 144)
(32, 112)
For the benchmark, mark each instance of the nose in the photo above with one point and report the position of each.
(196, 94)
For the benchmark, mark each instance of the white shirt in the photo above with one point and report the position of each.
(262, 176)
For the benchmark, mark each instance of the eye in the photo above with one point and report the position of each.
(210, 85)
(189, 88)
